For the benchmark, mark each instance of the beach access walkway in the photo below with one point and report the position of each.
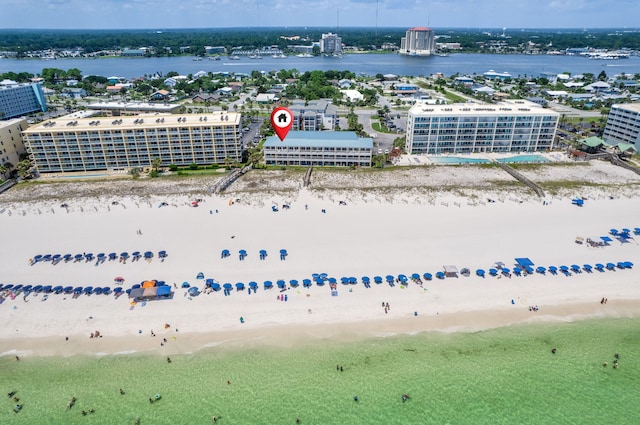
(516, 175)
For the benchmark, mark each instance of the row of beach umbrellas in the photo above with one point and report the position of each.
(88, 256)
(242, 254)
(566, 270)
(59, 289)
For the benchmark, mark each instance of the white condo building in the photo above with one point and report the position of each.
(331, 44)
(623, 125)
(419, 41)
(510, 126)
(86, 144)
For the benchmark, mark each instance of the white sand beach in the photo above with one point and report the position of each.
(407, 221)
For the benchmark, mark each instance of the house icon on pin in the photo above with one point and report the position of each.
(282, 117)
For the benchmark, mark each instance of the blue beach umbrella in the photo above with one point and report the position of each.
(599, 266)
(440, 275)
(135, 254)
(365, 279)
(88, 289)
(553, 269)
(283, 252)
(112, 256)
(587, 267)
(124, 254)
(38, 288)
(480, 272)
(193, 291)
(390, 278)
(575, 268)
(117, 290)
(97, 291)
(239, 286)
(162, 254)
(225, 253)
(344, 280)
(18, 287)
(517, 271)
(332, 280)
(88, 256)
(506, 270)
(353, 280)
(263, 252)
(628, 264)
(106, 290)
(493, 272)
(281, 283)
(306, 283)
(7, 287)
(415, 276)
(541, 269)
(67, 257)
(46, 257)
(58, 289)
(184, 284)
(56, 257)
(268, 284)
(215, 286)
(227, 286)
(428, 276)
(27, 288)
(77, 289)
(253, 285)
(148, 254)
(47, 289)
(610, 266)
(377, 279)
(293, 283)
(37, 257)
(402, 278)
(78, 256)
(68, 289)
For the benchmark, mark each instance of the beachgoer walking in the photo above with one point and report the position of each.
(168, 359)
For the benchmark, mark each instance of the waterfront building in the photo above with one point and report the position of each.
(419, 41)
(623, 125)
(324, 149)
(11, 145)
(215, 50)
(117, 109)
(314, 116)
(18, 99)
(133, 52)
(86, 144)
(331, 44)
(509, 126)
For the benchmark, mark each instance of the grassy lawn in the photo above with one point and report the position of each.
(380, 127)
(454, 97)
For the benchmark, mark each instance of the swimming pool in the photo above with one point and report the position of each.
(524, 159)
(457, 160)
(83, 176)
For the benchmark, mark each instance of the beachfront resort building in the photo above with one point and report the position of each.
(509, 126)
(315, 115)
(11, 146)
(623, 125)
(19, 99)
(322, 148)
(330, 44)
(87, 144)
(419, 41)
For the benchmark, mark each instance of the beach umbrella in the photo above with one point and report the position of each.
(27, 288)
(200, 275)
(56, 257)
(620, 265)
(306, 283)
(193, 291)
(46, 257)
(135, 254)
(124, 254)
(553, 269)
(185, 284)
(390, 278)
(227, 286)
(106, 290)
(215, 286)
(263, 253)
(253, 285)
(68, 289)
(440, 275)
(320, 282)
(517, 271)
(575, 268)
(78, 256)
(117, 290)
(87, 290)
(283, 252)
(67, 257)
(626, 231)
(88, 255)
(148, 254)
(636, 230)
(112, 256)
(493, 272)
(239, 286)
(18, 287)
(101, 255)
(587, 267)
(293, 283)
(353, 280)
(7, 287)
(610, 266)
(599, 266)
(564, 269)
(281, 283)
(58, 289)
(225, 253)
(162, 254)
(415, 276)
(480, 272)
(428, 276)
(268, 284)
(37, 257)
(37, 288)
(135, 286)
(77, 289)
(402, 278)
(97, 291)
(541, 269)
(332, 280)
(505, 270)
(323, 276)
(47, 289)
(344, 280)
(614, 232)
(628, 264)
(242, 252)
(209, 282)
(377, 279)
(365, 279)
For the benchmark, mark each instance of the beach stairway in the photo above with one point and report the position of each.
(615, 160)
(516, 175)
(226, 181)
(307, 177)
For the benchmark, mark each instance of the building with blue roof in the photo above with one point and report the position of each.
(319, 148)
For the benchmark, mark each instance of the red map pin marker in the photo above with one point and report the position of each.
(281, 121)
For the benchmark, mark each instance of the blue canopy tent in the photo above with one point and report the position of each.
(225, 253)
(239, 286)
(524, 262)
(162, 254)
(47, 289)
(268, 284)
(200, 275)
(293, 283)
(117, 290)
(163, 291)
(610, 266)
(480, 272)
(68, 289)
(587, 268)
(377, 279)
(193, 291)
(135, 254)
(281, 283)
(97, 291)
(148, 254)
(58, 289)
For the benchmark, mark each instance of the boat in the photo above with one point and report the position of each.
(304, 55)
(197, 59)
(234, 58)
(278, 56)
(215, 58)
(253, 56)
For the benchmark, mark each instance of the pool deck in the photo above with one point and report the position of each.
(413, 160)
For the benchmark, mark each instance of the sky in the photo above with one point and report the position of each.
(165, 14)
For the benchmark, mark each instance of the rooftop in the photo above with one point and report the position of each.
(319, 139)
(523, 107)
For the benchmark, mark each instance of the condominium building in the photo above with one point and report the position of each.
(315, 115)
(18, 99)
(510, 126)
(87, 144)
(11, 145)
(331, 44)
(623, 125)
(324, 148)
(419, 41)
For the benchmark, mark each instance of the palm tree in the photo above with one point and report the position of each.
(156, 164)
(24, 169)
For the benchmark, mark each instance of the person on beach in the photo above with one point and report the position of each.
(355, 398)
(121, 391)
(553, 350)
(168, 359)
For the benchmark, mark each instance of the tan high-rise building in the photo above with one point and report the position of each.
(11, 146)
(419, 41)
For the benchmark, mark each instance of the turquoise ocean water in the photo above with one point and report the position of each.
(500, 376)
